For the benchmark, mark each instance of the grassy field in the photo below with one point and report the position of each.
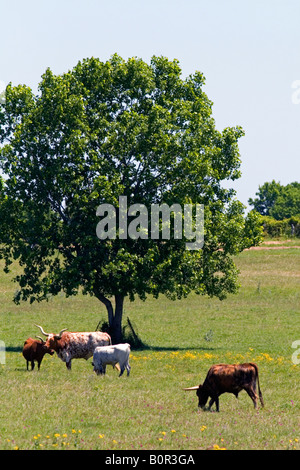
(58, 409)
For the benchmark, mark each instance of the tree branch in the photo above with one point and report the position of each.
(107, 304)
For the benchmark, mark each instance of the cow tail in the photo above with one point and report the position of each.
(257, 378)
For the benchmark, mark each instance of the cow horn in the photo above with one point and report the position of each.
(39, 337)
(46, 334)
(60, 333)
(192, 388)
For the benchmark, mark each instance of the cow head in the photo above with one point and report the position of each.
(99, 369)
(45, 348)
(201, 394)
(53, 341)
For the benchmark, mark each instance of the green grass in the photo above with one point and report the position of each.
(58, 409)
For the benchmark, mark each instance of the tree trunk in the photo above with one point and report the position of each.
(114, 317)
(117, 321)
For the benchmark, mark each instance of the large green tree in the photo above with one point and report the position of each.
(107, 129)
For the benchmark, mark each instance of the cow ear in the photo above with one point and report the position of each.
(60, 333)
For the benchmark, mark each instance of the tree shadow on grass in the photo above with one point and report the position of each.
(14, 348)
(147, 347)
(137, 344)
(142, 347)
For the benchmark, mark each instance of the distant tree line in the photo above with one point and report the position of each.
(280, 207)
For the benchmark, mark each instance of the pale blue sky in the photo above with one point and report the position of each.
(248, 50)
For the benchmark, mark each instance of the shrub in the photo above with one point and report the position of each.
(278, 228)
(129, 335)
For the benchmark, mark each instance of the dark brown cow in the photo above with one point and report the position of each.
(34, 350)
(228, 378)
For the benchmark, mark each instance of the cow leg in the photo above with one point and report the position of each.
(39, 364)
(214, 399)
(252, 395)
(211, 402)
(128, 369)
(68, 364)
(32, 365)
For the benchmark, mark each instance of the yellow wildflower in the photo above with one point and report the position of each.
(217, 447)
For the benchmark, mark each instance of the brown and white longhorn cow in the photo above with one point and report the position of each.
(79, 345)
(231, 378)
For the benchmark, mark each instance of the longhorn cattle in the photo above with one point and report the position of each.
(34, 350)
(228, 378)
(79, 345)
(118, 353)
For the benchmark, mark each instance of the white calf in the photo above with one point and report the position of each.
(117, 353)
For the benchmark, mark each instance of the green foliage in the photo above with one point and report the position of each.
(277, 201)
(278, 228)
(267, 194)
(100, 131)
(287, 204)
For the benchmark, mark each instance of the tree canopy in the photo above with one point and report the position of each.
(102, 130)
(277, 201)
